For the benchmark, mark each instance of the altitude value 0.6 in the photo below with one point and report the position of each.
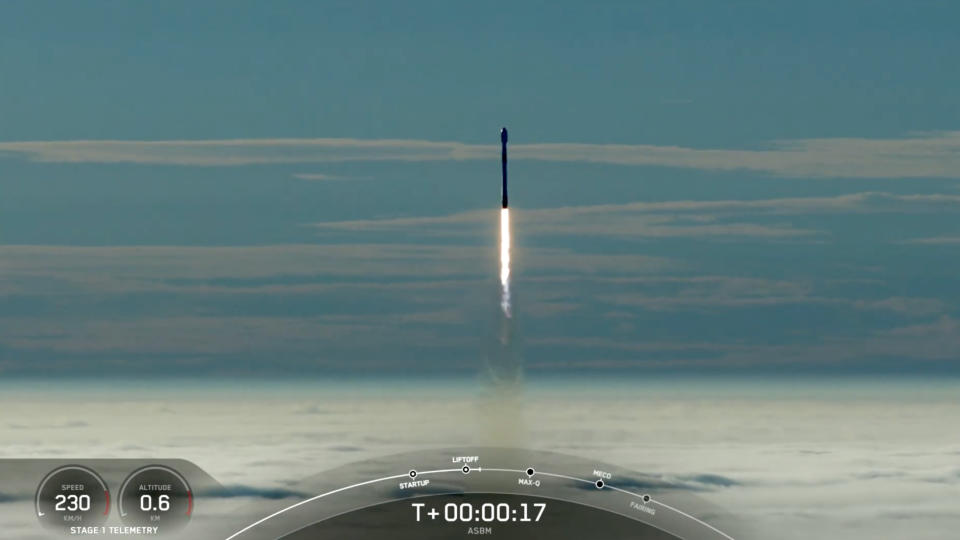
(484, 513)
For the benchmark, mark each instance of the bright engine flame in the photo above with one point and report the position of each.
(505, 260)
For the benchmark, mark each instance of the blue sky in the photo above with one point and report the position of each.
(700, 74)
(284, 187)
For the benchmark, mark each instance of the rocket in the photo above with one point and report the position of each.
(504, 202)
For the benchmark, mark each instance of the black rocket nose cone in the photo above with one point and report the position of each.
(503, 134)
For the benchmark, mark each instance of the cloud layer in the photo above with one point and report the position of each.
(923, 155)
(670, 219)
(845, 461)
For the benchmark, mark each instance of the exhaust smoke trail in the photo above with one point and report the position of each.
(505, 261)
(503, 396)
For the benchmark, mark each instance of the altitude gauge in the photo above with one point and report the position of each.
(73, 499)
(155, 496)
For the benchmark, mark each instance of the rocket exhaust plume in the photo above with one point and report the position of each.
(505, 261)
